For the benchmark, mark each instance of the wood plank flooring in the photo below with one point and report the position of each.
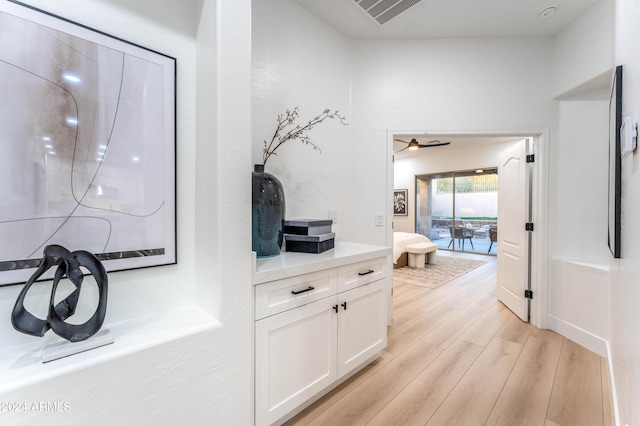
(457, 356)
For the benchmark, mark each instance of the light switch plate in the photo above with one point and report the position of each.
(333, 215)
(628, 136)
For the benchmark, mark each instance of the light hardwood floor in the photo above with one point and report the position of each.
(457, 356)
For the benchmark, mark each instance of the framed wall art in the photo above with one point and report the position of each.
(88, 140)
(615, 162)
(400, 202)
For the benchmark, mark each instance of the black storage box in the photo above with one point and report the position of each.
(309, 243)
(308, 226)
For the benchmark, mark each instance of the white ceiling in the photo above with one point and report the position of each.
(451, 18)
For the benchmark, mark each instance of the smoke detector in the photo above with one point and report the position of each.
(384, 10)
(547, 11)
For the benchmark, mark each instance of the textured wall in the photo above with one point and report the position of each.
(300, 61)
(583, 51)
(195, 367)
(625, 289)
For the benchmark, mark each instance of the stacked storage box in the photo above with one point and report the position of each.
(309, 235)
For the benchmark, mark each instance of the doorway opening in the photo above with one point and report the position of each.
(459, 210)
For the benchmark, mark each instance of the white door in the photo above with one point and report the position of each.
(513, 239)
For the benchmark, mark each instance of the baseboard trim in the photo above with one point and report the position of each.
(582, 337)
(615, 415)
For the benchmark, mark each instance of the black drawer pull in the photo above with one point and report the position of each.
(302, 291)
(370, 271)
(335, 308)
(344, 305)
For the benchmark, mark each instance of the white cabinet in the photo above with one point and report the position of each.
(313, 329)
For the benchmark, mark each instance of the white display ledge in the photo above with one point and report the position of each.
(289, 264)
(22, 365)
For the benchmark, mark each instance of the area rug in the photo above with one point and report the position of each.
(432, 276)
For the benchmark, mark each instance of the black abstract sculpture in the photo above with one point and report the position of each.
(69, 264)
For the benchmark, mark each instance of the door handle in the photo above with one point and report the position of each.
(302, 291)
(335, 308)
(344, 305)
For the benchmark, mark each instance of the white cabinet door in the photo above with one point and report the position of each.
(295, 358)
(362, 325)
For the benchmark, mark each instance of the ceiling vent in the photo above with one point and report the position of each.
(384, 10)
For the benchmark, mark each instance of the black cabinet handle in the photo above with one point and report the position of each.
(344, 305)
(302, 291)
(370, 271)
(335, 308)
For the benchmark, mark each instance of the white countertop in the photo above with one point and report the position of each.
(289, 264)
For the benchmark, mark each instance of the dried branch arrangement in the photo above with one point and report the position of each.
(287, 129)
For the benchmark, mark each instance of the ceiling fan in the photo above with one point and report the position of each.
(413, 144)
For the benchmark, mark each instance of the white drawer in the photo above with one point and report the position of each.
(278, 296)
(357, 274)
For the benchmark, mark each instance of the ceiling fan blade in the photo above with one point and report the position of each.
(400, 140)
(435, 144)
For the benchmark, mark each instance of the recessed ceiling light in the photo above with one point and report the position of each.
(547, 11)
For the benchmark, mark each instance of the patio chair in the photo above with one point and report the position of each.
(493, 236)
(482, 232)
(461, 234)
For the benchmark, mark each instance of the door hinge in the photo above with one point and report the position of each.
(528, 294)
(528, 226)
(531, 158)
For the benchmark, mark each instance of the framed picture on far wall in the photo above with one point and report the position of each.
(400, 202)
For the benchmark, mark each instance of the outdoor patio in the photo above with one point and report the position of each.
(481, 243)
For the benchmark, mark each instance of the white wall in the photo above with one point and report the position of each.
(578, 194)
(173, 361)
(579, 172)
(625, 288)
(299, 60)
(439, 85)
(582, 53)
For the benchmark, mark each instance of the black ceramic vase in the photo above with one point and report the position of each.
(267, 214)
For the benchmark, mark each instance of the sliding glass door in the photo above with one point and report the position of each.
(458, 210)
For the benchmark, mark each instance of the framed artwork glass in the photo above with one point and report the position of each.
(87, 159)
(615, 172)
